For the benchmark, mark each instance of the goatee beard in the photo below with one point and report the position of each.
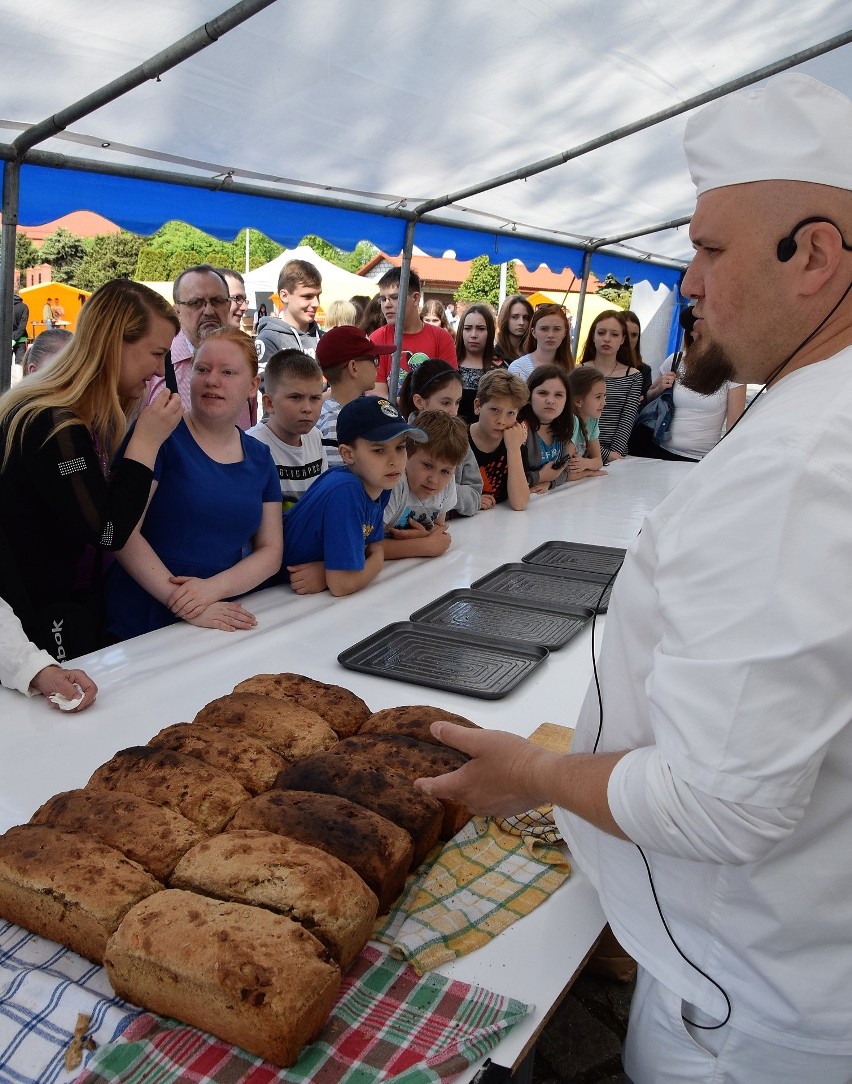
(707, 368)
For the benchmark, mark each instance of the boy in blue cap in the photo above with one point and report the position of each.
(333, 536)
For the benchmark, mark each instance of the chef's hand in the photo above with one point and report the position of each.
(55, 679)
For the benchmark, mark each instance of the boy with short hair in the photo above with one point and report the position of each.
(415, 518)
(294, 328)
(418, 337)
(497, 437)
(333, 536)
(291, 402)
(348, 360)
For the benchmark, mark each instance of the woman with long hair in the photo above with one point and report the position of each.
(62, 501)
(434, 313)
(634, 333)
(212, 529)
(513, 324)
(547, 342)
(475, 351)
(608, 348)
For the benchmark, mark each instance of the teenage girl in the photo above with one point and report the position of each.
(436, 385)
(513, 323)
(546, 343)
(435, 313)
(475, 351)
(550, 423)
(588, 398)
(634, 333)
(608, 346)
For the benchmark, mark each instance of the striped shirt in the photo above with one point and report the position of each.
(619, 413)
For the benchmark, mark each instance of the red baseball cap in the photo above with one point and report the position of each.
(345, 343)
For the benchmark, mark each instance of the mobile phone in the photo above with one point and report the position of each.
(171, 376)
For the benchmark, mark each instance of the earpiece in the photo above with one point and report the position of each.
(787, 245)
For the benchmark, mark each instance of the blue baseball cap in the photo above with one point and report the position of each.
(375, 419)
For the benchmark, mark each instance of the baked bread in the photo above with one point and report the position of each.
(288, 728)
(202, 794)
(149, 834)
(342, 710)
(67, 887)
(411, 719)
(378, 851)
(378, 788)
(245, 758)
(310, 886)
(415, 760)
(248, 976)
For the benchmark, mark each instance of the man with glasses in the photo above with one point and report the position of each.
(202, 303)
(236, 296)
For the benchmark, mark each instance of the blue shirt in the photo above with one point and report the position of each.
(334, 522)
(593, 428)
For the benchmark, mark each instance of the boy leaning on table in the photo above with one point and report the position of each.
(333, 536)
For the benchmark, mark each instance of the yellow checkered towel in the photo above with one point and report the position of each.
(464, 895)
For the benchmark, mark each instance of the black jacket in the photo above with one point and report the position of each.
(20, 316)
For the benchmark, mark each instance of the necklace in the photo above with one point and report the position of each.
(611, 373)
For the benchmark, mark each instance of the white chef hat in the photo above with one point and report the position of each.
(792, 128)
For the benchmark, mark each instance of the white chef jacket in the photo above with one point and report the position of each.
(20, 660)
(726, 666)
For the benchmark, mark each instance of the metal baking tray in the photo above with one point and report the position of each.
(576, 555)
(440, 659)
(494, 617)
(560, 588)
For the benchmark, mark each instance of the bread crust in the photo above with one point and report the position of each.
(249, 760)
(68, 888)
(150, 834)
(378, 851)
(248, 976)
(342, 709)
(306, 884)
(377, 788)
(202, 794)
(291, 730)
(414, 720)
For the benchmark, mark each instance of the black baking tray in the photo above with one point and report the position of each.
(576, 555)
(492, 616)
(440, 659)
(556, 587)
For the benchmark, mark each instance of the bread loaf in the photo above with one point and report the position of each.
(415, 760)
(414, 720)
(202, 794)
(342, 710)
(248, 976)
(149, 834)
(291, 730)
(310, 886)
(379, 789)
(69, 888)
(378, 851)
(249, 760)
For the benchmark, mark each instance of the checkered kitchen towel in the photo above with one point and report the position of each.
(481, 882)
(43, 988)
(388, 1023)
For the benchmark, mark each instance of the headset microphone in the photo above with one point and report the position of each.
(787, 245)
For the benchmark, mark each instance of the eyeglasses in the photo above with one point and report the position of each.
(195, 304)
(240, 299)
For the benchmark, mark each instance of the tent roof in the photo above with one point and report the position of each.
(337, 282)
(379, 106)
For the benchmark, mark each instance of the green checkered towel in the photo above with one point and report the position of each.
(481, 882)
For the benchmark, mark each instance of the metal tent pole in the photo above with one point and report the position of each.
(399, 327)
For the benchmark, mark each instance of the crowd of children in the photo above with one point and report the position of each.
(340, 475)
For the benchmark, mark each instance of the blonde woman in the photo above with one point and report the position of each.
(340, 312)
(62, 505)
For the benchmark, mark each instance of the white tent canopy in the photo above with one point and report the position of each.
(338, 284)
(364, 112)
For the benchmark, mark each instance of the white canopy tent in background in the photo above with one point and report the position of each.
(354, 121)
(338, 284)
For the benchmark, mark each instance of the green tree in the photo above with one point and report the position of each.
(262, 249)
(26, 254)
(65, 253)
(363, 252)
(152, 265)
(111, 256)
(615, 292)
(483, 282)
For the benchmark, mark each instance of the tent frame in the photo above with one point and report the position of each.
(23, 150)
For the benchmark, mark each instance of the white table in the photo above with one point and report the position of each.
(168, 675)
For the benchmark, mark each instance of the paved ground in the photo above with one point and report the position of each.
(582, 1042)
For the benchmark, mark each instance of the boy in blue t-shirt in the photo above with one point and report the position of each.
(333, 536)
